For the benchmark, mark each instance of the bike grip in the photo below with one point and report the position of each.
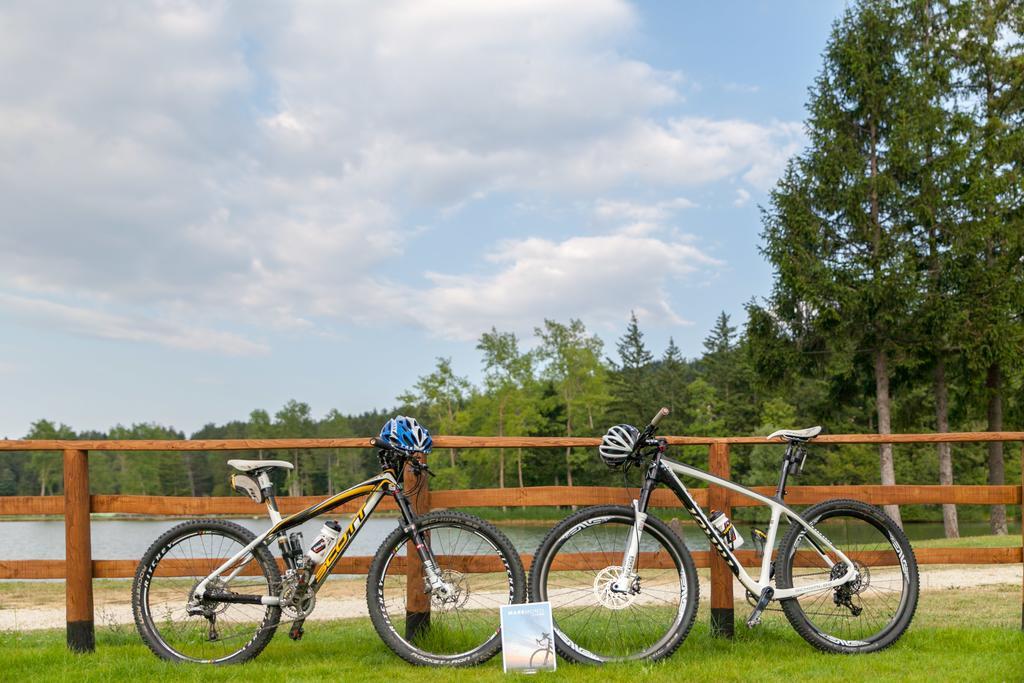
(657, 418)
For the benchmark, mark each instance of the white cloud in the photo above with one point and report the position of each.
(599, 278)
(259, 164)
(608, 209)
(742, 197)
(98, 324)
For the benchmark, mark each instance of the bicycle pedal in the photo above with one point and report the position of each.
(296, 631)
(762, 602)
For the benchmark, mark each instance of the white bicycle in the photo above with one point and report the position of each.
(622, 584)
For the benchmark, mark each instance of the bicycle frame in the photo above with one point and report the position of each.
(374, 489)
(665, 471)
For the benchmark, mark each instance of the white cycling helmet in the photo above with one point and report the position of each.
(617, 444)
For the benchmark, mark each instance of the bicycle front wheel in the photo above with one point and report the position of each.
(178, 628)
(578, 562)
(461, 628)
(870, 612)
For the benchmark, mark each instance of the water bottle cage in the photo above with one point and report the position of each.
(760, 538)
(729, 534)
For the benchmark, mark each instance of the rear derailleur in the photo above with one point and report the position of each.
(844, 594)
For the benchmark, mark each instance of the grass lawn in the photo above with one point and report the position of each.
(957, 635)
(1003, 541)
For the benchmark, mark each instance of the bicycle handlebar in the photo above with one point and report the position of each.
(389, 455)
(663, 413)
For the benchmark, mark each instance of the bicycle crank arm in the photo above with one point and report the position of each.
(762, 602)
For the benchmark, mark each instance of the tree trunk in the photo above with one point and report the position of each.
(501, 451)
(568, 449)
(882, 401)
(330, 475)
(190, 459)
(949, 520)
(295, 486)
(519, 468)
(568, 466)
(996, 466)
(451, 421)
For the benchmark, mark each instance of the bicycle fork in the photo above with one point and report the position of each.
(434, 579)
(627, 577)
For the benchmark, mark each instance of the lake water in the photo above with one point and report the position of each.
(120, 539)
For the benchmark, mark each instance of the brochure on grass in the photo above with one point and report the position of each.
(527, 637)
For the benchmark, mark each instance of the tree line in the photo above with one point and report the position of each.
(566, 385)
(897, 243)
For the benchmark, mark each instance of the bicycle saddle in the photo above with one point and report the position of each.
(796, 434)
(254, 465)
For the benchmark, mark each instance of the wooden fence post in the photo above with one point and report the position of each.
(78, 552)
(417, 601)
(721, 577)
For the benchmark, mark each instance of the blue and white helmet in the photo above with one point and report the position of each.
(406, 434)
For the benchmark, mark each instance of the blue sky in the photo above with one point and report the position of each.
(207, 208)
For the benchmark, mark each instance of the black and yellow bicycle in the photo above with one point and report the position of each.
(211, 591)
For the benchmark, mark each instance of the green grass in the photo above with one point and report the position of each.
(956, 635)
(1003, 541)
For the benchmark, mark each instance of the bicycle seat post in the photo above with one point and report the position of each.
(780, 492)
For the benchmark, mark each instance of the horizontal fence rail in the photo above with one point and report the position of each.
(479, 442)
(79, 568)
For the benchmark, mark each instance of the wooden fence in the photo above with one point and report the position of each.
(79, 568)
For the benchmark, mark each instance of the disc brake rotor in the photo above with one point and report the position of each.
(603, 583)
(206, 608)
(458, 596)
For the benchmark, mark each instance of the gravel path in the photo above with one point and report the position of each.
(344, 599)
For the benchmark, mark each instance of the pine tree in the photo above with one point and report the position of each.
(720, 340)
(671, 385)
(989, 244)
(930, 140)
(632, 385)
(834, 231)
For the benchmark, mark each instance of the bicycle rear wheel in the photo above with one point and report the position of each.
(460, 629)
(206, 632)
(574, 569)
(872, 611)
